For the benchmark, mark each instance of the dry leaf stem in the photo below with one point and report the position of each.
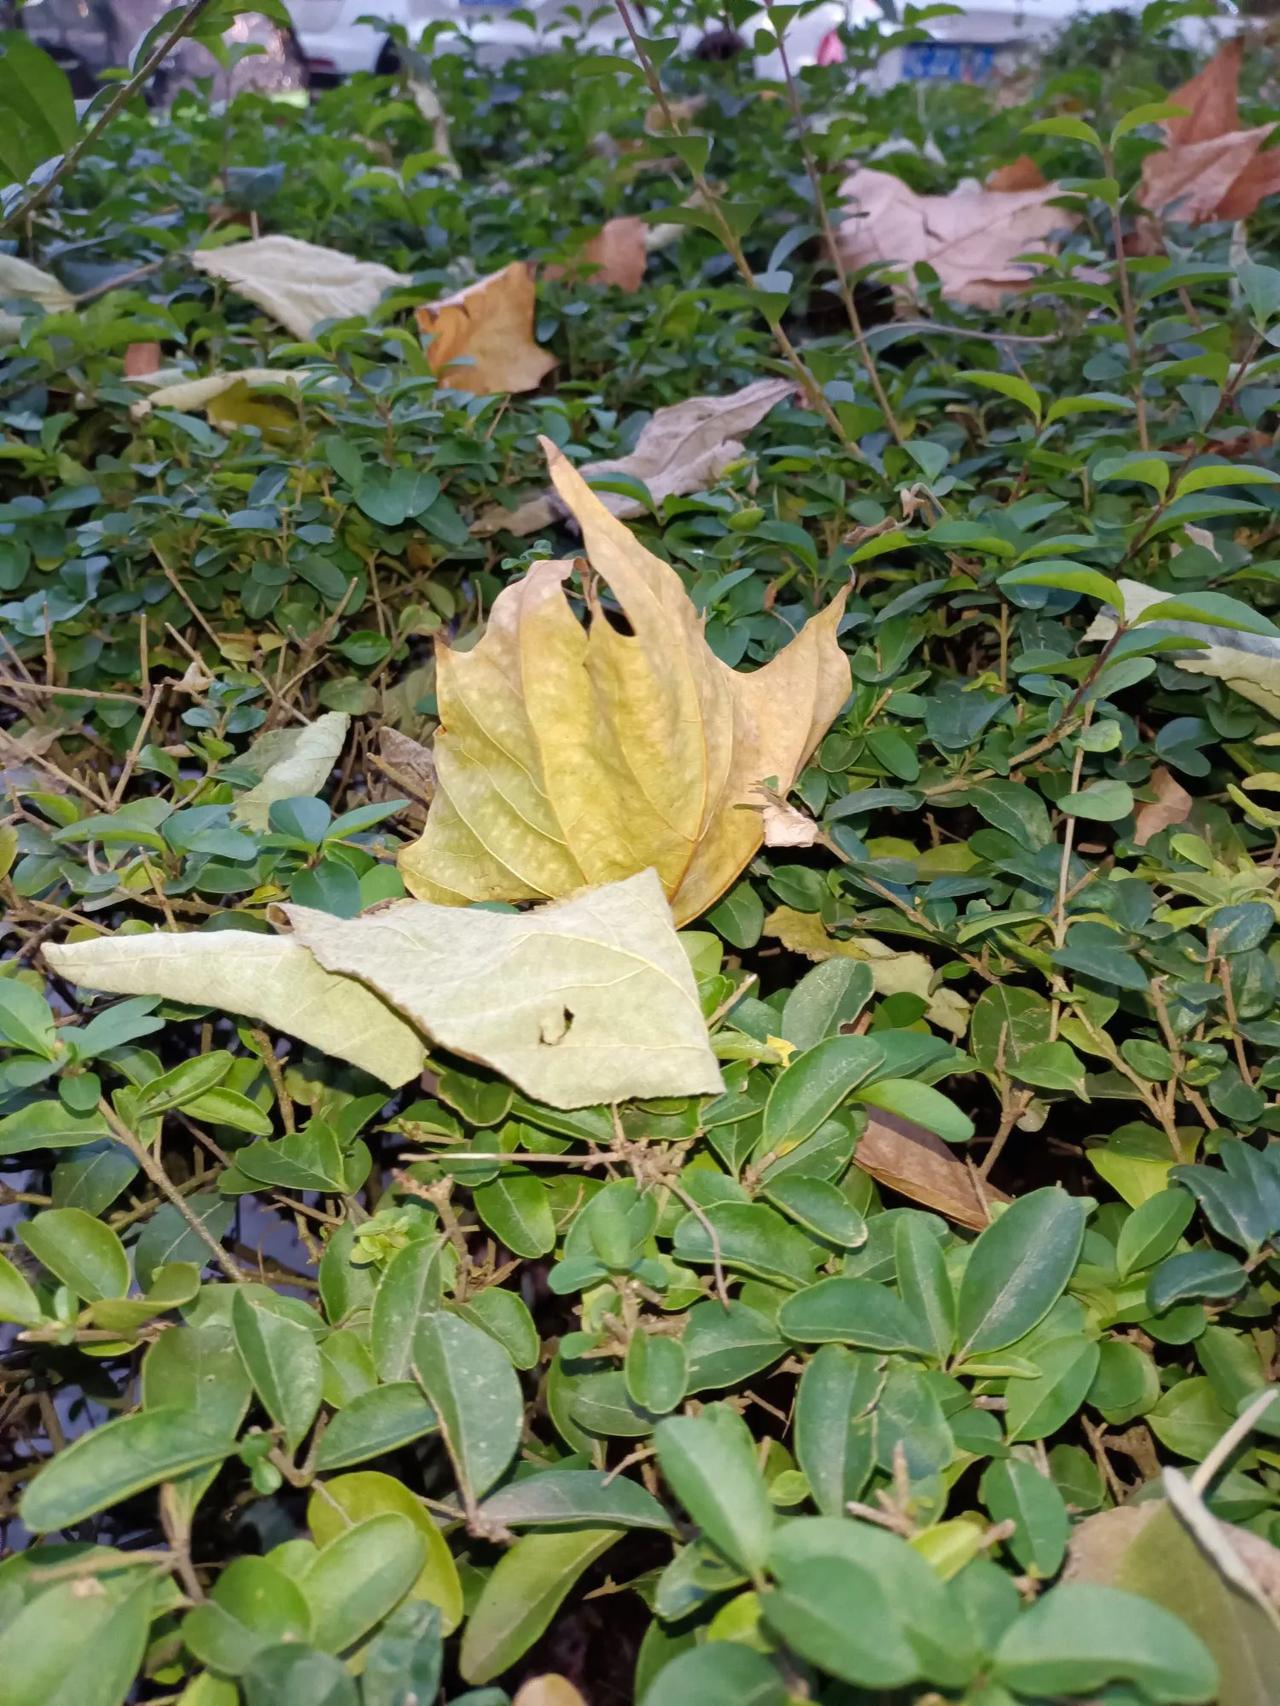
(712, 203)
(833, 251)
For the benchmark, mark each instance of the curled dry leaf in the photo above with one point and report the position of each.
(917, 1164)
(684, 447)
(894, 971)
(1170, 806)
(1145, 1549)
(409, 769)
(482, 337)
(570, 755)
(299, 284)
(221, 396)
(1210, 168)
(971, 238)
(599, 999)
(290, 763)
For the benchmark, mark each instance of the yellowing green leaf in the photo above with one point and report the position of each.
(894, 971)
(571, 756)
(290, 762)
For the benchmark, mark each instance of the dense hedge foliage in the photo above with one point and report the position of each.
(911, 1366)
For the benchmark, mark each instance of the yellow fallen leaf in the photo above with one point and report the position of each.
(894, 971)
(487, 329)
(570, 756)
(548, 1691)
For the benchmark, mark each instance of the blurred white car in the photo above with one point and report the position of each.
(965, 46)
(337, 38)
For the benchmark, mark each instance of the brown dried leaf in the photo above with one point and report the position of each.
(1170, 806)
(1210, 168)
(917, 1164)
(141, 359)
(488, 327)
(684, 448)
(615, 255)
(1019, 174)
(970, 237)
(410, 769)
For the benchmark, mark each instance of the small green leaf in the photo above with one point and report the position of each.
(523, 1594)
(1007, 384)
(1067, 577)
(921, 1104)
(66, 1647)
(710, 1462)
(815, 1084)
(1018, 1269)
(1015, 1491)
(1075, 129)
(374, 1422)
(475, 1392)
(1078, 1638)
(359, 1576)
(847, 1311)
(18, 1303)
(81, 1250)
(117, 1460)
(283, 1361)
(557, 1497)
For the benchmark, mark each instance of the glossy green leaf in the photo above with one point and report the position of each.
(80, 1250)
(282, 1360)
(475, 1394)
(1018, 1269)
(361, 1575)
(117, 1460)
(710, 1462)
(527, 1587)
(849, 1311)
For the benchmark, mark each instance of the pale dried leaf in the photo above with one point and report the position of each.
(190, 396)
(1170, 806)
(970, 237)
(917, 1164)
(591, 999)
(1247, 663)
(268, 978)
(299, 284)
(684, 448)
(290, 762)
(19, 279)
(784, 826)
(570, 756)
(482, 337)
(894, 971)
